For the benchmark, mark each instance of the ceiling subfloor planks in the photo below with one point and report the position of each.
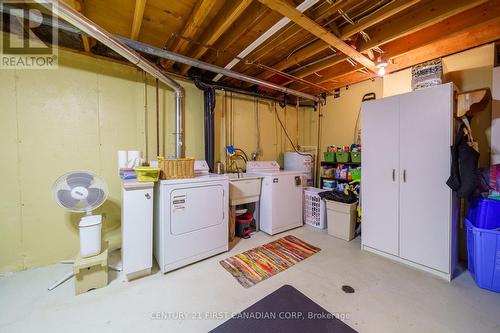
(311, 52)
(412, 20)
(292, 33)
(305, 22)
(319, 45)
(192, 27)
(225, 18)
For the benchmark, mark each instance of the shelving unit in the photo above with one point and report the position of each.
(334, 164)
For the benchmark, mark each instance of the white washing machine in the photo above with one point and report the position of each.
(281, 196)
(190, 218)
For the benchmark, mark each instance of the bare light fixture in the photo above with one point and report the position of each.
(381, 65)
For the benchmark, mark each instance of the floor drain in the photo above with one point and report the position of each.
(348, 289)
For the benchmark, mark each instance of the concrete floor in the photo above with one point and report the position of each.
(389, 297)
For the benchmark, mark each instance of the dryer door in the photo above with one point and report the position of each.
(195, 208)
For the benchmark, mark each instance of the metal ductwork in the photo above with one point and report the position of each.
(145, 48)
(158, 52)
(73, 17)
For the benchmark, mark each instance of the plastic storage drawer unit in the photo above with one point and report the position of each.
(483, 251)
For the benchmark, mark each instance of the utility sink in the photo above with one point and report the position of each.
(243, 188)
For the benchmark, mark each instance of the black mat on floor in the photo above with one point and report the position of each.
(269, 315)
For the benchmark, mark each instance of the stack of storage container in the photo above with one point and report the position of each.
(483, 242)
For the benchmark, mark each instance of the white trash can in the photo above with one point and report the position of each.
(341, 219)
(90, 235)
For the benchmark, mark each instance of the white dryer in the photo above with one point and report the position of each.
(190, 218)
(281, 196)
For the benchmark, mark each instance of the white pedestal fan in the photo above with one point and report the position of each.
(82, 192)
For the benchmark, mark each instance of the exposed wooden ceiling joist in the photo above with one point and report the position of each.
(409, 23)
(292, 31)
(378, 16)
(305, 22)
(138, 16)
(225, 18)
(319, 45)
(226, 27)
(431, 13)
(485, 14)
(192, 27)
(263, 36)
(256, 15)
(484, 33)
(324, 16)
(79, 6)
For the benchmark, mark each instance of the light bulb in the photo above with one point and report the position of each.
(381, 71)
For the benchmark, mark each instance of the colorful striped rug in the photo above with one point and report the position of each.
(260, 263)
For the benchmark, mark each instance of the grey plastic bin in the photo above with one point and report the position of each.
(341, 219)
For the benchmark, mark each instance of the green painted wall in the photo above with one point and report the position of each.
(75, 117)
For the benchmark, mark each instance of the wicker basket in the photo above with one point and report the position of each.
(176, 168)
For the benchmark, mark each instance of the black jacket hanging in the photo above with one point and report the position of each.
(465, 176)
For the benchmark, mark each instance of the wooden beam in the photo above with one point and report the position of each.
(409, 26)
(411, 22)
(224, 20)
(349, 30)
(487, 14)
(192, 26)
(293, 36)
(256, 15)
(305, 22)
(485, 33)
(458, 43)
(79, 7)
(378, 16)
(333, 74)
(137, 20)
(293, 32)
(311, 69)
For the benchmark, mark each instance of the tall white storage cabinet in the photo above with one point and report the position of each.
(137, 229)
(409, 212)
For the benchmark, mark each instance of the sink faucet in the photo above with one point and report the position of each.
(240, 172)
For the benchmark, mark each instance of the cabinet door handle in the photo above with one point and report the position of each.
(404, 176)
(147, 196)
(393, 175)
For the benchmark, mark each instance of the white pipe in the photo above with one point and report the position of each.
(265, 36)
